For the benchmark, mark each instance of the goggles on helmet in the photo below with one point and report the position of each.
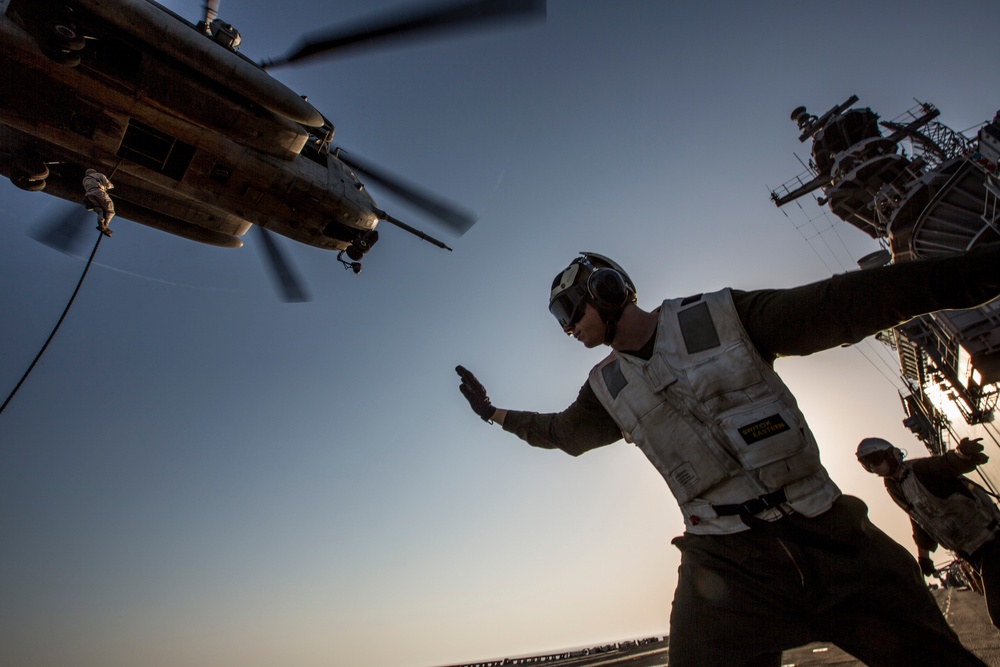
(573, 289)
(871, 460)
(568, 306)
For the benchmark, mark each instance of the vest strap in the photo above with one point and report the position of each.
(753, 506)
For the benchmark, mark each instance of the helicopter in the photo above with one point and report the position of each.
(200, 140)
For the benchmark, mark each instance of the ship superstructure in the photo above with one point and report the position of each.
(921, 190)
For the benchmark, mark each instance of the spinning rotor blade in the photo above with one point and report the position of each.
(451, 215)
(65, 233)
(416, 24)
(281, 270)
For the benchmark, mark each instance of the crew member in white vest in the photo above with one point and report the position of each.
(773, 555)
(944, 507)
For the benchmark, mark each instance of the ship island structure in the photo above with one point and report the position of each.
(920, 190)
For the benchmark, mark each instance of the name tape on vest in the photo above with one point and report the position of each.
(765, 428)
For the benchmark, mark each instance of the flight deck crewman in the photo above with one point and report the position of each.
(773, 555)
(96, 186)
(944, 507)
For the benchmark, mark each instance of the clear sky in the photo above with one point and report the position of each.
(199, 474)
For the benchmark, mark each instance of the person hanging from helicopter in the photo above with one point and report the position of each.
(773, 555)
(944, 507)
(96, 186)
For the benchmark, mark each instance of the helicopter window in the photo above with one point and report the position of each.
(311, 151)
(155, 149)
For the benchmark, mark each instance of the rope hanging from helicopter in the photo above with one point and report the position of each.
(56, 328)
(62, 317)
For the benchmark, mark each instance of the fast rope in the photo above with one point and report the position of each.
(54, 330)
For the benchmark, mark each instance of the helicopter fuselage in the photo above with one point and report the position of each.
(199, 140)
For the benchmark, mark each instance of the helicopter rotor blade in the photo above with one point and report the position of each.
(416, 24)
(280, 268)
(416, 232)
(64, 233)
(451, 215)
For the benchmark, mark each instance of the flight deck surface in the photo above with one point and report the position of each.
(964, 609)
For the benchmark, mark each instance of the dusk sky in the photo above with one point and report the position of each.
(197, 473)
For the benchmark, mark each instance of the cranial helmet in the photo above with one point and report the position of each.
(872, 451)
(593, 279)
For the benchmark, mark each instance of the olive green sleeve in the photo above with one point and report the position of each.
(848, 307)
(583, 426)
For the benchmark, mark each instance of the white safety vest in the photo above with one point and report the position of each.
(958, 522)
(714, 418)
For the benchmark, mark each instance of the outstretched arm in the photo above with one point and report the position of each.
(848, 307)
(582, 426)
(939, 473)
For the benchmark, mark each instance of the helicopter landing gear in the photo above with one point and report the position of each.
(357, 250)
(62, 42)
(353, 266)
(354, 252)
(29, 174)
(23, 182)
(66, 58)
(63, 35)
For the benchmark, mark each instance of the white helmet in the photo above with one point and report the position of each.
(872, 451)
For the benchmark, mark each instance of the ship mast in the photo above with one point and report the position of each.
(938, 198)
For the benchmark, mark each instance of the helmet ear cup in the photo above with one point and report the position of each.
(607, 288)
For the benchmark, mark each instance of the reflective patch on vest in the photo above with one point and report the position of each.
(698, 329)
(684, 475)
(614, 379)
(765, 428)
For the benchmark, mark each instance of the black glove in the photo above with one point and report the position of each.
(926, 566)
(972, 450)
(475, 393)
